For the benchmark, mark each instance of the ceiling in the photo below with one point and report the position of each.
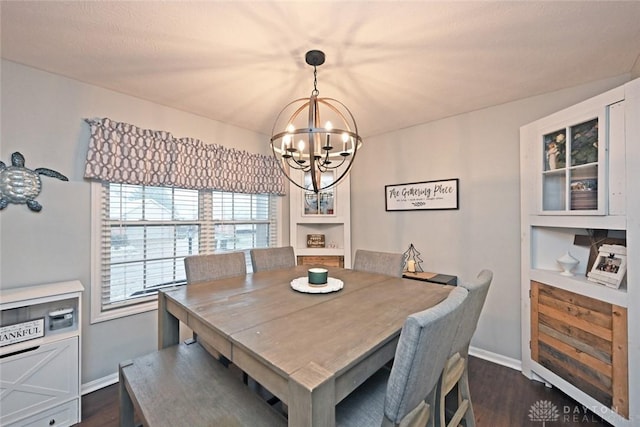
(395, 64)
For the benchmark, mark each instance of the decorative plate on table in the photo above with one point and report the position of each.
(301, 284)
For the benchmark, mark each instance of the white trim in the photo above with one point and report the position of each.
(99, 383)
(96, 196)
(496, 358)
(97, 315)
(127, 310)
(281, 220)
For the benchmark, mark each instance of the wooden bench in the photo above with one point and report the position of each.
(183, 385)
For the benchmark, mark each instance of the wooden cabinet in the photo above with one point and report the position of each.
(40, 355)
(582, 340)
(578, 335)
(327, 261)
(328, 214)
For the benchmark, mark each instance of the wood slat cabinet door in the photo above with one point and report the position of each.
(584, 341)
(327, 261)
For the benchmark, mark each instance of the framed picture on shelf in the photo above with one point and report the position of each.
(610, 266)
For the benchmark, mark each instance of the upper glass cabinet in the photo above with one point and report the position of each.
(323, 202)
(574, 167)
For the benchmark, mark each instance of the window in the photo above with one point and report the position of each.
(142, 234)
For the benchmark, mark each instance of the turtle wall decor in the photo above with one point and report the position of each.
(21, 185)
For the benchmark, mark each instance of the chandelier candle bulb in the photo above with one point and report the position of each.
(328, 126)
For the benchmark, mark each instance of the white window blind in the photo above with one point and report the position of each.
(146, 232)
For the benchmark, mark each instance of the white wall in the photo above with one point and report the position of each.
(42, 117)
(480, 148)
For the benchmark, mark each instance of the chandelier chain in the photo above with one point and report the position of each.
(315, 91)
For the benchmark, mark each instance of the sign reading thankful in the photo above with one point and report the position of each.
(19, 332)
(442, 194)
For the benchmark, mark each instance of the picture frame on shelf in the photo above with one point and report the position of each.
(594, 241)
(610, 267)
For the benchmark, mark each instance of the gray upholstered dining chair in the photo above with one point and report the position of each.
(200, 268)
(263, 259)
(378, 262)
(456, 368)
(406, 393)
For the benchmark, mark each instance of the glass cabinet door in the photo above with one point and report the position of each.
(323, 202)
(573, 159)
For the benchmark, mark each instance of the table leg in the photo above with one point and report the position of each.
(312, 397)
(168, 324)
(126, 405)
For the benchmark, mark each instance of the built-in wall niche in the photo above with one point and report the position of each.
(550, 243)
(333, 234)
(326, 216)
(59, 316)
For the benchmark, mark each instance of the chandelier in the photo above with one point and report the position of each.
(315, 135)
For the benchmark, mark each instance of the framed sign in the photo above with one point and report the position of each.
(427, 195)
(24, 331)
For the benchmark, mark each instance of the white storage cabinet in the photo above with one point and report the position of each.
(40, 355)
(580, 175)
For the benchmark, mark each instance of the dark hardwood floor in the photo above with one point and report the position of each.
(502, 397)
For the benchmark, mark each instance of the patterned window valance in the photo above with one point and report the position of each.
(123, 153)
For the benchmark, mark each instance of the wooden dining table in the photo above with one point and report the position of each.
(309, 350)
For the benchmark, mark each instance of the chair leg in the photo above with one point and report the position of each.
(431, 407)
(454, 373)
(465, 394)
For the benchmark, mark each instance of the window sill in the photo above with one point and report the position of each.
(128, 310)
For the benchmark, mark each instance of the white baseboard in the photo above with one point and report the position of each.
(99, 383)
(496, 358)
(473, 351)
